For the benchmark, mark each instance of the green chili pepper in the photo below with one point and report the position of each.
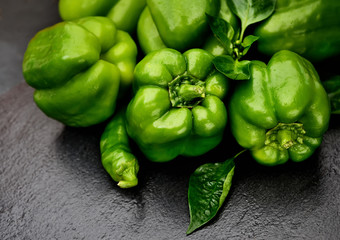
(116, 155)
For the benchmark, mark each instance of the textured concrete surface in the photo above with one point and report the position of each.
(52, 184)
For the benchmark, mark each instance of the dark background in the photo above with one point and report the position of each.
(52, 184)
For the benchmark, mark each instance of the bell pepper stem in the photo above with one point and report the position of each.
(190, 92)
(285, 138)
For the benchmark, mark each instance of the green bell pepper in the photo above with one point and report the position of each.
(78, 68)
(178, 107)
(282, 112)
(310, 28)
(124, 13)
(177, 24)
(116, 155)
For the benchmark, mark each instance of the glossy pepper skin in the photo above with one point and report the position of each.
(177, 24)
(116, 155)
(124, 13)
(310, 28)
(282, 112)
(177, 108)
(78, 68)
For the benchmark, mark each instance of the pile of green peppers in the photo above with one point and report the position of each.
(153, 61)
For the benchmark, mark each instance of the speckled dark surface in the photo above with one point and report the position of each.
(52, 184)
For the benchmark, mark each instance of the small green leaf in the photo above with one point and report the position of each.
(223, 31)
(224, 64)
(209, 185)
(332, 87)
(247, 42)
(251, 11)
(233, 69)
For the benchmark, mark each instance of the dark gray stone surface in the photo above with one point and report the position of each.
(52, 184)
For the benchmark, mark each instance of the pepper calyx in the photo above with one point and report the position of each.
(285, 135)
(186, 91)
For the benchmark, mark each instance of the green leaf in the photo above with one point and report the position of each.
(247, 42)
(233, 69)
(224, 64)
(223, 31)
(209, 185)
(251, 11)
(332, 87)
